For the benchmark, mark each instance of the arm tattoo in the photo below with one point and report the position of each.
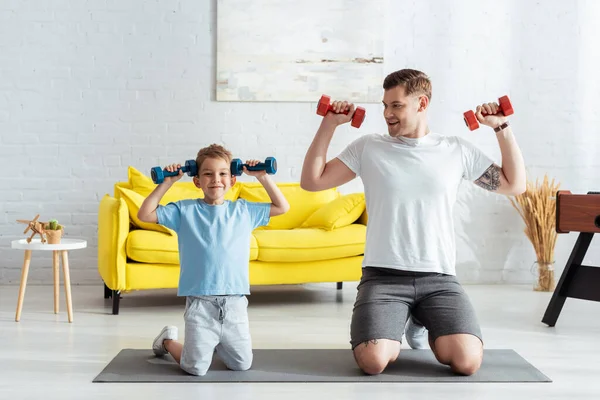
(373, 341)
(490, 179)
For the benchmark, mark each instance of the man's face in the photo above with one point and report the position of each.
(401, 112)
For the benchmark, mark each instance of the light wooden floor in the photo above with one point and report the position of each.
(44, 356)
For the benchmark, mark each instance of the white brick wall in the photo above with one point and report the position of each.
(90, 87)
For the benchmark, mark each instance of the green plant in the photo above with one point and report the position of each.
(53, 225)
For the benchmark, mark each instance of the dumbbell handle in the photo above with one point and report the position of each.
(499, 112)
(330, 108)
(176, 172)
(261, 166)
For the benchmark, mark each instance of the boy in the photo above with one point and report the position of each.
(213, 238)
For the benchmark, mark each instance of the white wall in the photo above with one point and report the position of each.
(90, 87)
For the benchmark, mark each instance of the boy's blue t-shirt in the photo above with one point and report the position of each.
(214, 243)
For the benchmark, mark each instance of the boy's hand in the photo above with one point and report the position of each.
(340, 107)
(173, 168)
(257, 174)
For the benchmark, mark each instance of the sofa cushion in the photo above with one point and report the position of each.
(160, 248)
(181, 190)
(302, 203)
(310, 244)
(152, 247)
(338, 213)
(134, 202)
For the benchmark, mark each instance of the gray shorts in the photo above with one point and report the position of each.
(386, 297)
(216, 323)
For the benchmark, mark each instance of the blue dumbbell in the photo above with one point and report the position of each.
(270, 166)
(159, 174)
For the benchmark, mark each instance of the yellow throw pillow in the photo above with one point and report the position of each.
(134, 202)
(302, 203)
(338, 213)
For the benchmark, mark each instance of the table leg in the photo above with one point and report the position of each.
(24, 273)
(65, 263)
(56, 280)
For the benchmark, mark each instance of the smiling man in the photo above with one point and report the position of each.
(411, 177)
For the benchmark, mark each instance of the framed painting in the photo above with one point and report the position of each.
(296, 51)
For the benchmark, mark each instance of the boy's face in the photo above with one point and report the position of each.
(214, 178)
(402, 113)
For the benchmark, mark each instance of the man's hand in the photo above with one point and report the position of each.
(339, 107)
(256, 174)
(490, 114)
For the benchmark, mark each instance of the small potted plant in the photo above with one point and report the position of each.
(54, 231)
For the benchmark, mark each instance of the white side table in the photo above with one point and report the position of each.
(62, 249)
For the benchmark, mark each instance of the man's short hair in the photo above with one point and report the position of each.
(414, 82)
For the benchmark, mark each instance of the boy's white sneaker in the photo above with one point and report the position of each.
(168, 332)
(417, 336)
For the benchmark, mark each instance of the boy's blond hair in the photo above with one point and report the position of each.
(213, 151)
(414, 82)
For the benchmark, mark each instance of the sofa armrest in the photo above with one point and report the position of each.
(113, 229)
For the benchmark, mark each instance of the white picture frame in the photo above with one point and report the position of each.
(284, 51)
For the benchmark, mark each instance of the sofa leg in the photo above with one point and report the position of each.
(116, 296)
(339, 285)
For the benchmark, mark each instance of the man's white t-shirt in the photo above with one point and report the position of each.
(410, 190)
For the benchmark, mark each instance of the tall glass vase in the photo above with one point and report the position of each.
(543, 272)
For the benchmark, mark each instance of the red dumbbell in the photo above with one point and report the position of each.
(325, 106)
(506, 108)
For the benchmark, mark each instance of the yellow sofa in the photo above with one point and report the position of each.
(320, 239)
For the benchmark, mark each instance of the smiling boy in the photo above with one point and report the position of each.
(213, 236)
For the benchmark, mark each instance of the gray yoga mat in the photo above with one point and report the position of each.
(319, 365)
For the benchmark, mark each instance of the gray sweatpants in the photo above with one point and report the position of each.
(216, 323)
(386, 297)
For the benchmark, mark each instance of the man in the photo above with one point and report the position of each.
(411, 177)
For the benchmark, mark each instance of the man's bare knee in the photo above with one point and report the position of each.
(466, 365)
(442, 354)
(371, 363)
(373, 356)
(463, 353)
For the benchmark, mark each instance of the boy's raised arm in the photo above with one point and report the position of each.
(279, 204)
(147, 211)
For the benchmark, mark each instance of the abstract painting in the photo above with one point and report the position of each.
(269, 50)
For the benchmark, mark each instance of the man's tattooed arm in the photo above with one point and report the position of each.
(491, 179)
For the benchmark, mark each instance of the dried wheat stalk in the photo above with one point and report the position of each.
(537, 207)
